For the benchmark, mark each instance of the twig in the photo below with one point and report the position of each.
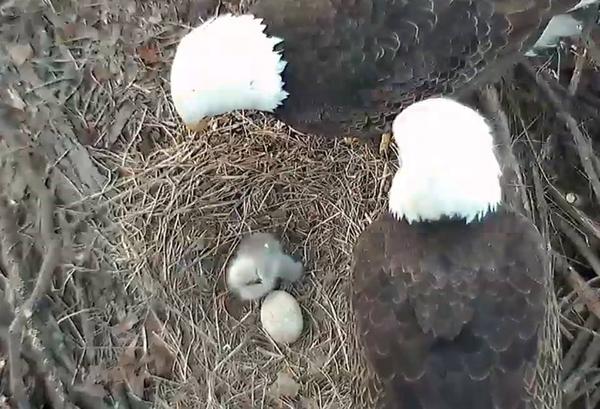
(583, 145)
(54, 386)
(588, 386)
(9, 239)
(581, 287)
(581, 245)
(571, 358)
(84, 399)
(595, 398)
(46, 203)
(24, 311)
(10, 244)
(576, 77)
(588, 225)
(586, 37)
(590, 359)
(511, 170)
(86, 322)
(592, 49)
(542, 204)
(588, 49)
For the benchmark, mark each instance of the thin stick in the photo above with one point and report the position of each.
(9, 239)
(581, 245)
(588, 225)
(571, 358)
(23, 312)
(592, 49)
(581, 287)
(589, 361)
(10, 244)
(586, 38)
(595, 398)
(576, 77)
(511, 171)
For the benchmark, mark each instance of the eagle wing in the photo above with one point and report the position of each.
(446, 323)
(350, 61)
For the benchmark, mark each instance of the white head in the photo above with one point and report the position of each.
(447, 163)
(227, 63)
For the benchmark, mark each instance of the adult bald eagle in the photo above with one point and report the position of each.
(345, 67)
(449, 284)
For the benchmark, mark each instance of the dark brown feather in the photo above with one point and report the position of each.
(353, 64)
(449, 313)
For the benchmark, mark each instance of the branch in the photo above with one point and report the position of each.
(589, 361)
(581, 287)
(588, 225)
(9, 241)
(24, 313)
(52, 379)
(578, 345)
(587, 40)
(511, 171)
(51, 259)
(577, 71)
(581, 245)
(583, 145)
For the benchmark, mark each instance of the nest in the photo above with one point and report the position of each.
(186, 207)
(135, 310)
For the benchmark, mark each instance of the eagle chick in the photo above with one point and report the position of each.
(258, 266)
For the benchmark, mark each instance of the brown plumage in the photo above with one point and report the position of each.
(353, 64)
(449, 313)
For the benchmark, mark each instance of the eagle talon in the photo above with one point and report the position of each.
(384, 144)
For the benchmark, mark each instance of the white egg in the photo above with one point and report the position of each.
(281, 317)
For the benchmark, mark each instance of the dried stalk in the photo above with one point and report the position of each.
(581, 287)
(511, 170)
(51, 259)
(583, 338)
(581, 245)
(9, 241)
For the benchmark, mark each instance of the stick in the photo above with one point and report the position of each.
(590, 360)
(588, 225)
(581, 245)
(10, 243)
(9, 239)
(583, 145)
(24, 311)
(581, 287)
(586, 37)
(576, 77)
(595, 398)
(511, 171)
(53, 384)
(581, 341)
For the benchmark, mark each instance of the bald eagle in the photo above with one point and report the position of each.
(346, 67)
(449, 283)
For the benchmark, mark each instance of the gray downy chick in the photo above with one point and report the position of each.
(258, 265)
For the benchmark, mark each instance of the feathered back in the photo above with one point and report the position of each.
(355, 63)
(449, 314)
